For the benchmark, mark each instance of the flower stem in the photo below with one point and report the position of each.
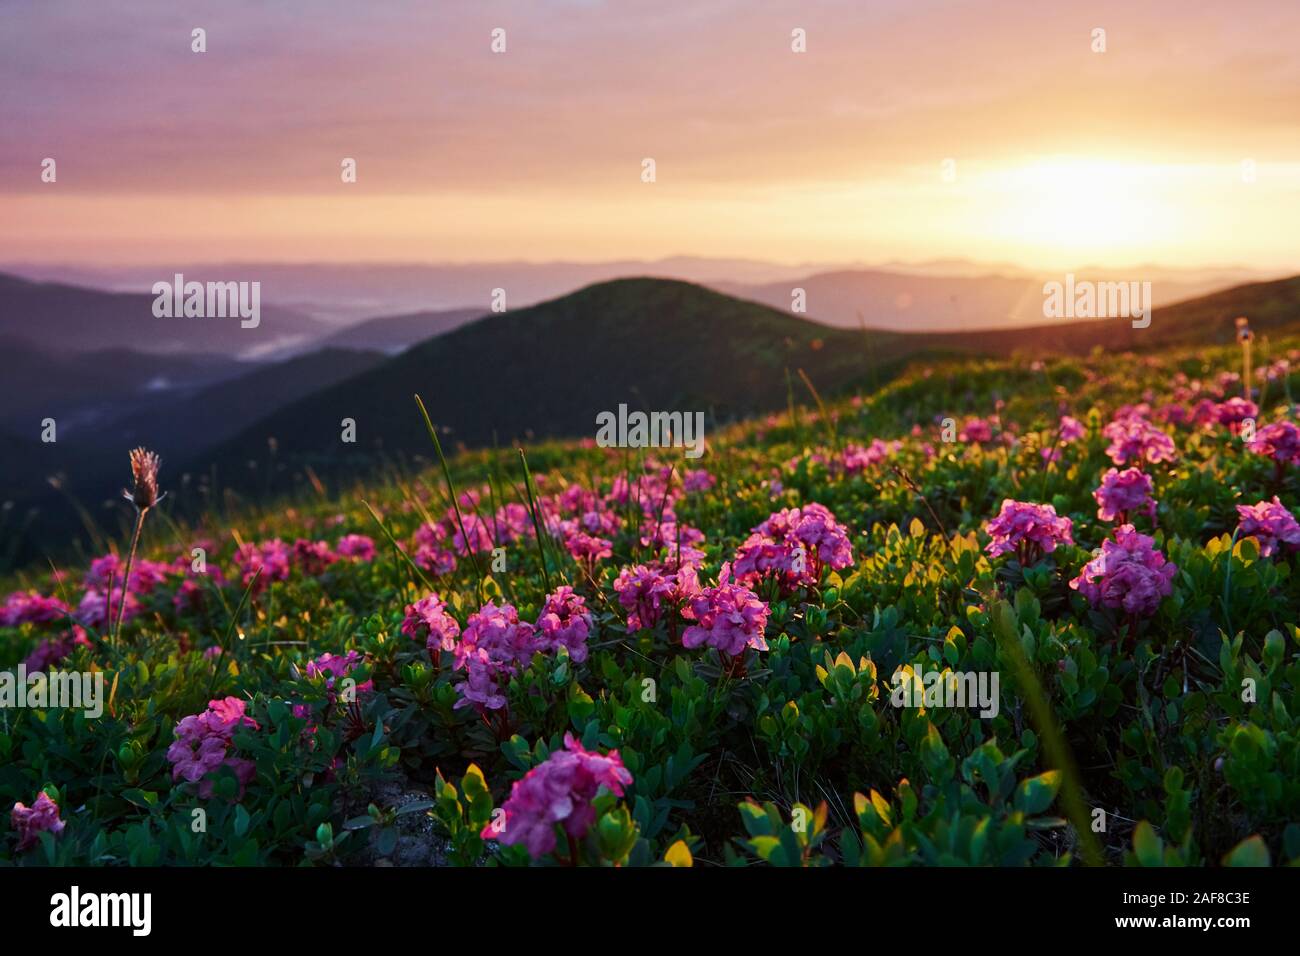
(126, 574)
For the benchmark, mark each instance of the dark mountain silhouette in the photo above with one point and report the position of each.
(66, 319)
(392, 333)
(904, 302)
(550, 369)
(85, 389)
(664, 345)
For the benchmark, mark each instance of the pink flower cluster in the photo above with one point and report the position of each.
(1129, 574)
(1271, 524)
(336, 667)
(565, 622)
(1235, 411)
(106, 571)
(356, 547)
(977, 430)
(204, 743)
(1123, 493)
(427, 619)
(793, 546)
(98, 608)
(272, 558)
(560, 790)
(649, 593)
(729, 617)
(429, 551)
(1071, 429)
(1134, 439)
(29, 607)
(41, 817)
(493, 647)
(1030, 530)
(1279, 441)
(53, 650)
(856, 459)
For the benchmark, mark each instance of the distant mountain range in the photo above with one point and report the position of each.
(923, 303)
(931, 292)
(545, 370)
(663, 345)
(392, 333)
(64, 319)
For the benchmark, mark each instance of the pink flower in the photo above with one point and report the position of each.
(1234, 411)
(313, 557)
(97, 608)
(560, 790)
(357, 547)
(41, 817)
(1031, 530)
(698, 480)
(1071, 429)
(855, 458)
(793, 546)
(145, 575)
(1135, 439)
(666, 533)
(1128, 574)
(729, 617)
(1279, 441)
(203, 744)
(976, 430)
(427, 619)
(271, 558)
(492, 649)
(53, 650)
(1122, 492)
(565, 622)
(478, 530)
(647, 592)
(334, 667)
(1271, 524)
(585, 547)
(29, 607)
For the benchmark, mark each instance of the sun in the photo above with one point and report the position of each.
(1081, 206)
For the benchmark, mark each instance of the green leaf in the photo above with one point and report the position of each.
(1147, 845)
(1036, 794)
(1249, 852)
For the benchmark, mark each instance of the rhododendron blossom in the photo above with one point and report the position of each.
(565, 622)
(1070, 429)
(1270, 523)
(1279, 441)
(357, 547)
(204, 743)
(269, 561)
(1135, 440)
(427, 620)
(1129, 574)
(793, 546)
(1123, 493)
(336, 667)
(559, 790)
(29, 822)
(29, 607)
(1030, 530)
(98, 608)
(493, 647)
(648, 592)
(53, 650)
(729, 617)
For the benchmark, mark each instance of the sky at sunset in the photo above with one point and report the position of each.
(1060, 156)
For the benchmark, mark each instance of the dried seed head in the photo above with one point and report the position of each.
(144, 471)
